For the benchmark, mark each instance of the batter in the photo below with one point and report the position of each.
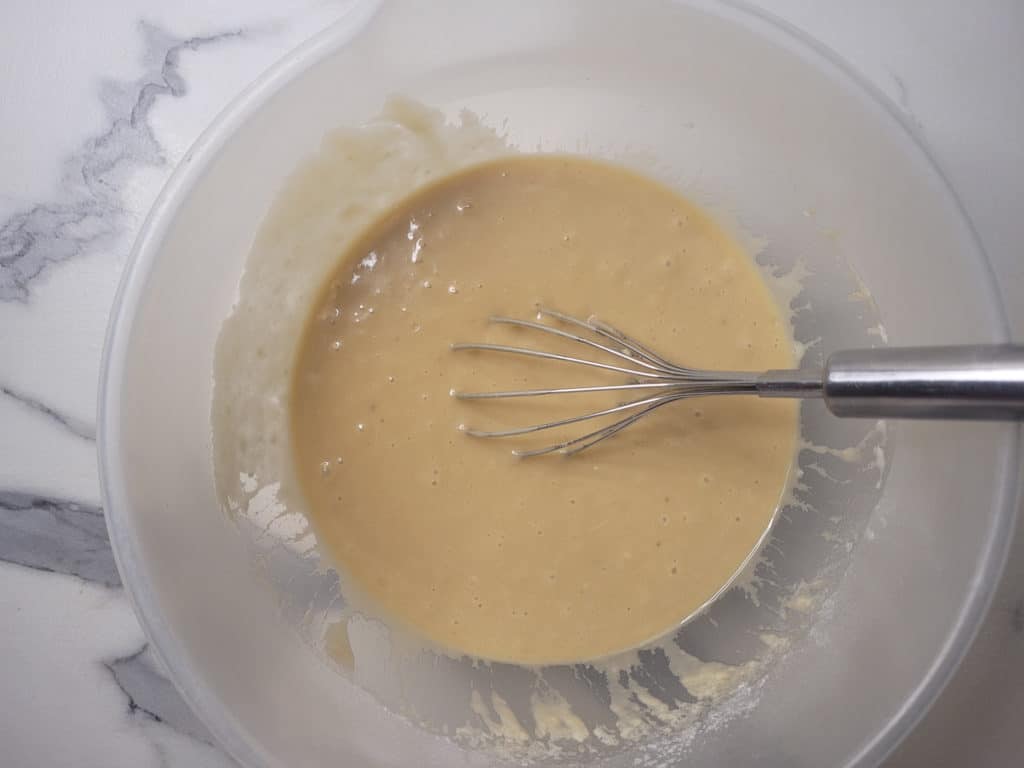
(548, 559)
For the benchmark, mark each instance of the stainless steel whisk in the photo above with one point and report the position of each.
(961, 382)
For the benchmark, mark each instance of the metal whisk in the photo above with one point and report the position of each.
(964, 382)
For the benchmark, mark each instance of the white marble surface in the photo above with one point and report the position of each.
(99, 102)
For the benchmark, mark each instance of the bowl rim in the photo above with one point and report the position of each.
(222, 724)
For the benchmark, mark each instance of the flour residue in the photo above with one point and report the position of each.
(503, 723)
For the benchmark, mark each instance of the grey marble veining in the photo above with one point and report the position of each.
(89, 211)
(72, 425)
(149, 692)
(59, 535)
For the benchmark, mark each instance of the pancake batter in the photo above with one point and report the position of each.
(549, 559)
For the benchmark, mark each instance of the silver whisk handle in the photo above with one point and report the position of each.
(965, 382)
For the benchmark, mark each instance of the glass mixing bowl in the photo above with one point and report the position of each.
(879, 567)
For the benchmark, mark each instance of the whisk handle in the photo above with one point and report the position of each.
(968, 382)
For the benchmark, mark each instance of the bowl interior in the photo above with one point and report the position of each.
(896, 530)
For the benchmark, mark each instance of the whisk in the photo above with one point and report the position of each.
(976, 382)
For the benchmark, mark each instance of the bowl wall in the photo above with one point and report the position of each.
(742, 115)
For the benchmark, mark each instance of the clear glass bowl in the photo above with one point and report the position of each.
(900, 532)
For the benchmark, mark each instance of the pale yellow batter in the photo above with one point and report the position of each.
(548, 559)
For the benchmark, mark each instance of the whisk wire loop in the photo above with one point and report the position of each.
(648, 371)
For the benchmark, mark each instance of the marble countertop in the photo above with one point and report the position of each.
(101, 100)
